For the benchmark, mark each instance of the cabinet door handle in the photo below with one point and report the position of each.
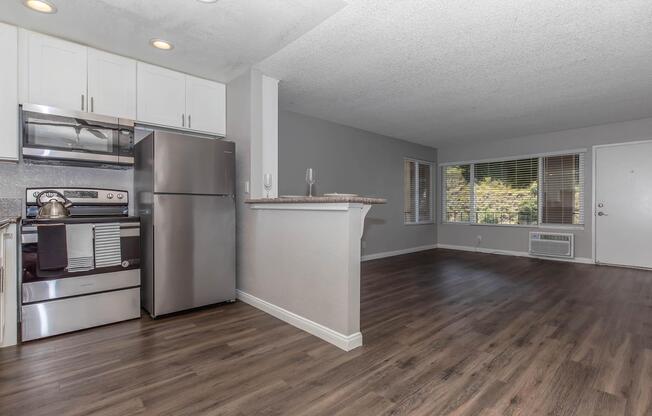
(183, 120)
(189, 122)
(92, 104)
(82, 101)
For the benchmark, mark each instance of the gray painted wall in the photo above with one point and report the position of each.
(516, 238)
(15, 177)
(349, 160)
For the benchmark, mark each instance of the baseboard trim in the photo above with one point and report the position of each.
(345, 342)
(384, 254)
(582, 260)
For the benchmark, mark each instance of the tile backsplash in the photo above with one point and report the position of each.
(15, 177)
(10, 207)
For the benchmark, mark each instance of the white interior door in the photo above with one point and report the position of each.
(623, 198)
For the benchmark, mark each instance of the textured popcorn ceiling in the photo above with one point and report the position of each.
(216, 41)
(436, 72)
(440, 72)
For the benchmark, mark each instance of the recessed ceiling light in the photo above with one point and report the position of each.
(42, 6)
(161, 44)
(207, 1)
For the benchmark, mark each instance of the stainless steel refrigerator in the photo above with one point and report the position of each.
(184, 195)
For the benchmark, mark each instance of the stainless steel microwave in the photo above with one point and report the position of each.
(52, 135)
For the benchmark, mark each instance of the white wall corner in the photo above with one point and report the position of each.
(270, 131)
(264, 133)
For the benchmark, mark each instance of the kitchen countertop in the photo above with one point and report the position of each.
(10, 209)
(318, 200)
(8, 220)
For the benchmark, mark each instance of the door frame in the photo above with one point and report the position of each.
(594, 185)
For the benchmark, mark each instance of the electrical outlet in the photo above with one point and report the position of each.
(479, 238)
(246, 187)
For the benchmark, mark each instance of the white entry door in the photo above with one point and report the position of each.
(623, 204)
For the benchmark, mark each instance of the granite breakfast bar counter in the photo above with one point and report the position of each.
(306, 267)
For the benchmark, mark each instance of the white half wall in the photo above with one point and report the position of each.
(304, 266)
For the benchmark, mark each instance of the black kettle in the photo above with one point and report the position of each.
(52, 209)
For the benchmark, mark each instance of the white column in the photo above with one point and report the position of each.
(264, 133)
(270, 132)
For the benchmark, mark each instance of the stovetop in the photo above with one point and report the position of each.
(89, 205)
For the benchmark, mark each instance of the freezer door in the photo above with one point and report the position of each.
(185, 164)
(194, 251)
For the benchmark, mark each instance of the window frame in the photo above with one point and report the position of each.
(539, 224)
(433, 192)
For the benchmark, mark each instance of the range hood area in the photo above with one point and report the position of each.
(76, 138)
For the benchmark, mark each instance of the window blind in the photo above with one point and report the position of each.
(417, 194)
(409, 187)
(424, 189)
(525, 191)
(563, 189)
(506, 192)
(457, 193)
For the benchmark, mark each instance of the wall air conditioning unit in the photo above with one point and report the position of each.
(559, 245)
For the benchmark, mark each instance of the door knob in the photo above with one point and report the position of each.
(601, 214)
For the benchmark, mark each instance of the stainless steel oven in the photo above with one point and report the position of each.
(79, 271)
(52, 135)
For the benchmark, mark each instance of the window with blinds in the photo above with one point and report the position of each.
(417, 195)
(457, 193)
(562, 191)
(506, 192)
(525, 191)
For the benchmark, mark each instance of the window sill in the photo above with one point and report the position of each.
(561, 227)
(534, 226)
(419, 223)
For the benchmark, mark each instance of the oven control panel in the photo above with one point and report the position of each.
(80, 196)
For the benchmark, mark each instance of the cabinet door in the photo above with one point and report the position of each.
(206, 105)
(111, 84)
(56, 72)
(161, 96)
(9, 318)
(9, 97)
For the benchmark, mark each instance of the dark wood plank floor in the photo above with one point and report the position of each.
(446, 333)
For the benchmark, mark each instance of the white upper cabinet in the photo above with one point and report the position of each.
(56, 71)
(111, 84)
(74, 77)
(8, 92)
(206, 105)
(161, 96)
(170, 98)
(70, 76)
